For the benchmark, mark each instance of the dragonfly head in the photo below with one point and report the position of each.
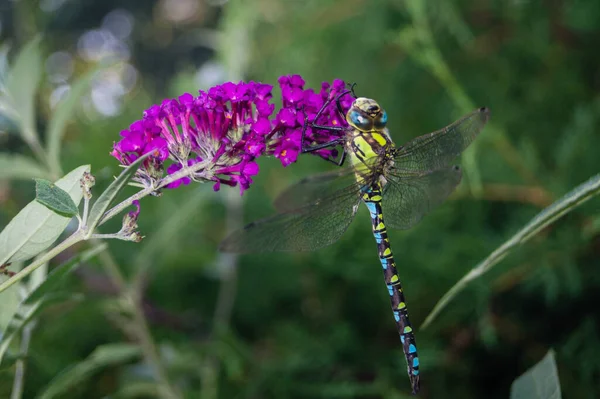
(365, 115)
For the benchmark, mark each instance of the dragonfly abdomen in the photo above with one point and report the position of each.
(372, 198)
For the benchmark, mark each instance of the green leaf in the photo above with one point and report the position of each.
(104, 356)
(26, 314)
(539, 382)
(39, 298)
(104, 200)
(15, 166)
(63, 113)
(36, 227)
(561, 207)
(4, 48)
(57, 277)
(22, 83)
(9, 303)
(54, 198)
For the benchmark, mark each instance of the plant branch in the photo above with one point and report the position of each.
(17, 390)
(67, 243)
(139, 325)
(186, 171)
(564, 205)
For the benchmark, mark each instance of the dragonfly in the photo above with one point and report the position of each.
(403, 183)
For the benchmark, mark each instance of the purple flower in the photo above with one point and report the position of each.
(300, 105)
(217, 135)
(223, 129)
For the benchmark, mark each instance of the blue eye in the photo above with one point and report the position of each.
(383, 119)
(358, 120)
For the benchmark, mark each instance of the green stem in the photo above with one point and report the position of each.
(86, 209)
(149, 348)
(17, 391)
(187, 171)
(142, 330)
(67, 243)
(107, 236)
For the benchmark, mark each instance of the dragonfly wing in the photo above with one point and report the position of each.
(408, 196)
(438, 149)
(305, 229)
(318, 188)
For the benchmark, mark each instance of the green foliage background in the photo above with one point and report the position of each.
(319, 324)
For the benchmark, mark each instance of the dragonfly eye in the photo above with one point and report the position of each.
(382, 120)
(359, 121)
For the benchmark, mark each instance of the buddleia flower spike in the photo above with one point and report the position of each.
(217, 135)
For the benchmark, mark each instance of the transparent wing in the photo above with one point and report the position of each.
(408, 196)
(308, 228)
(318, 188)
(438, 149)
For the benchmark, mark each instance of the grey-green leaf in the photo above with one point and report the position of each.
(9, 303)
(15, 166)
(54, 198)
(22, 83)
(36, 227)
(539, 382)
(104, 200)
(561, 207)
(103, 356)
(64, 112)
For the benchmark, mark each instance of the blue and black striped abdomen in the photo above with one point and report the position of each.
(372, 198)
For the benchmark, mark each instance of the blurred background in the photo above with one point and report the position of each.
(319, 324)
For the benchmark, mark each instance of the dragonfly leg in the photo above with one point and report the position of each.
(337, 99)
(339, 162)
(332, 143)
(324, 106)
(316, 147)
(342, 158)
(322, 145)
(352, 86)
(337, 102)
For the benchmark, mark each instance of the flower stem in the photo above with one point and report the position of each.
(116, 236)
(186, 171)
(17, 390)
(68, 242)
(140, 326)
(149, 348)
(86, 208)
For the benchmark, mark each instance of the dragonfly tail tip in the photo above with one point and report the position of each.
(415, 384)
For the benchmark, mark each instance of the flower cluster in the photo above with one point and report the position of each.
(217, 135)
(299, 107)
